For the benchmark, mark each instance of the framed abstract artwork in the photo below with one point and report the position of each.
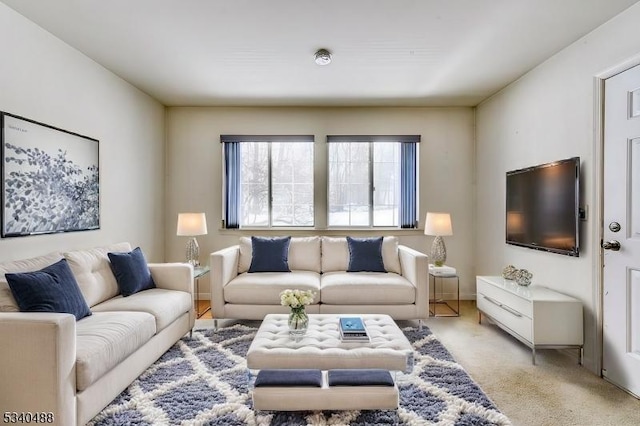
(50, 179)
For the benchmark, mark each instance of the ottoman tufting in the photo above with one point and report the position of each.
(322, 348)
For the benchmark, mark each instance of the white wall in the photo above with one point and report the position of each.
(43, 79)
(194, 161)
(548, 115)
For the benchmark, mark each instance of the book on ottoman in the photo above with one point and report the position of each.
(352, 329)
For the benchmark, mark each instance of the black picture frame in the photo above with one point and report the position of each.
(50, 179)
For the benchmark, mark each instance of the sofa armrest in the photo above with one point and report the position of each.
(224, 268)
(173, 276)
(38, 359)
(415, 268)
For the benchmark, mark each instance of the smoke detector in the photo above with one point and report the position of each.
(323, 57)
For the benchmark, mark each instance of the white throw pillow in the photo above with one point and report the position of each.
(304, 254)
(244, 262)
(390, 256)
(335, 254)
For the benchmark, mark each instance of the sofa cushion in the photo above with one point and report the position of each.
(366, 288)
(105, 339)
(7, 302)
(365, 255)
(50, 289)
(165, 305)
(131, 271)
(92, 270)
(304, 254)
(269, 254)
(264, 289)
(335, 254)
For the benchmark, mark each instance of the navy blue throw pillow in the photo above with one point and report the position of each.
(367, 377)
(365, 255)
(289, 377)
(270, 254)
(51, 289)
(131, 271)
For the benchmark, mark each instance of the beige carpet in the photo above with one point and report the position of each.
(554, 392)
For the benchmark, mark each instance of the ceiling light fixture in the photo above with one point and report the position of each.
(323, 57)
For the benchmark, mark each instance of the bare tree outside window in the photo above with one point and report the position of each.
(386, 184)
(254, 184)
(276, 184)
(292, 180)
(364, 183)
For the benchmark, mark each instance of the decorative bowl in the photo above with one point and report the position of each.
(523, 277)
(509, 272)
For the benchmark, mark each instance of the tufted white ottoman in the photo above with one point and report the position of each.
(321, 348)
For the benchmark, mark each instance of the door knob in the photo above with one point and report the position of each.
(611, 245)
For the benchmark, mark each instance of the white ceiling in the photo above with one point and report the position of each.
(258, 52)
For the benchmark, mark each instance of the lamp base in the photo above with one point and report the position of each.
(193, 252)
(438, 251)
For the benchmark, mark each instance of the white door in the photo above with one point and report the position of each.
(621, 235)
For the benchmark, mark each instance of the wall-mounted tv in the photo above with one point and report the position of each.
(543, 210)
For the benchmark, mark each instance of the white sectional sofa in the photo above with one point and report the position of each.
(49, 362)
(320, 264)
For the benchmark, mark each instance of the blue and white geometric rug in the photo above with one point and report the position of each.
(203, 381)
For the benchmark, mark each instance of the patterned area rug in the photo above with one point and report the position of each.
(203, 381)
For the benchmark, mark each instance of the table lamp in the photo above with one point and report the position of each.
(438, 225)
(190, 225)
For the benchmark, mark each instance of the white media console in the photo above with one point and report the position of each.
(537, 316)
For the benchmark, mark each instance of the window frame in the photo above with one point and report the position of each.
(269, 139)
(408, 205)
(370, 140)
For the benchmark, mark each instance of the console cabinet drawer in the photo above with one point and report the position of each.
(515, 321)
(495, 291)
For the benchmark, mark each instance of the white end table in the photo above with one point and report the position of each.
(440, 274)
(199, 272)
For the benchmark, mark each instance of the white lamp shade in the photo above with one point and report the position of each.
(438, 224)
(190, 224)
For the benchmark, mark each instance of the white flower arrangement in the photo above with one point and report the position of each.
(296, 299)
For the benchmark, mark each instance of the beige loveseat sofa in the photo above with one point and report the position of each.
(320, 264)
(49, 362)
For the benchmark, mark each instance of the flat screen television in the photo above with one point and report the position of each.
(543, 210)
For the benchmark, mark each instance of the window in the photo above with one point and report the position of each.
(372, 181)
(269, 181)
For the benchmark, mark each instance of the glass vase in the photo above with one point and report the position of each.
(298, 322)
